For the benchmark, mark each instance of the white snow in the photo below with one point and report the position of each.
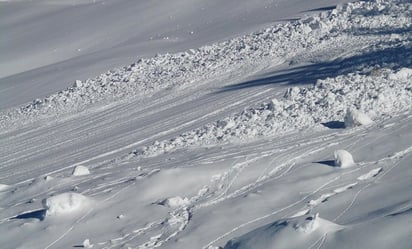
(217, 124)
(87, 244)
(355, 118)
(80, 170)
(175, 202)
(65, 204)
(343, 159)
(4, 187)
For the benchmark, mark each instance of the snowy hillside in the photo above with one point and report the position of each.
(206, 124)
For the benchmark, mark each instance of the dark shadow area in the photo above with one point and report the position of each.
(332, 7)
(366, 31)
(38, 214)
(405, 212)
(334, 125)
(393, 57)
(330, 163)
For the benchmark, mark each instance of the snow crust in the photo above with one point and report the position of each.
(65, 204)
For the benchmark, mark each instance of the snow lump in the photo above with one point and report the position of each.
(65, 203)
(343, 159)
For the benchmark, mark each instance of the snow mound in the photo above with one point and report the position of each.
(65, 203)
(343, 159)
(175, 202)
(80, 171)
(281, 41)
(299, 232)
(301, 108)
(356, 118)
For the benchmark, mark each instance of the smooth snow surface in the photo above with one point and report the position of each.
(206, 124)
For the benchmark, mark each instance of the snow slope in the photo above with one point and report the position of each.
(51, 43)
(230, 145)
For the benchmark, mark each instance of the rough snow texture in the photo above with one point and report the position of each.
(355, 118)
(171, 70)
(382, 93)
(343, 159)
(80, 171)
(65, 203)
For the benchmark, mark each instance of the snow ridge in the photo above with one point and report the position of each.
(383, 92)
(147, 76)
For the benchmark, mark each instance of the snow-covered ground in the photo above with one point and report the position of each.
(217, 125)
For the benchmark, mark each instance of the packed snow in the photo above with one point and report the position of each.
(272, 124)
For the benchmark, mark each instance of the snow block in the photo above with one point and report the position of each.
(80, 171)
(343, 159)
(356, 118)
(64, 204)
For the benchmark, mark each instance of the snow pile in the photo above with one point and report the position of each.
(65, 203)
(299, 232)
(343, 159)
(175, 202)
(355, 118)
(171, 70)
(80, 171)
(381, 93)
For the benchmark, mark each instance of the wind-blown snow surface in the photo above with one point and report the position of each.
(231, 145)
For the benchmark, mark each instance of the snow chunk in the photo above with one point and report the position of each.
(80, 171)
(77, 83)
(64, 204)
(356, 118)
(175, 202)
(343, 159)
(3, 187)
(87, 244)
